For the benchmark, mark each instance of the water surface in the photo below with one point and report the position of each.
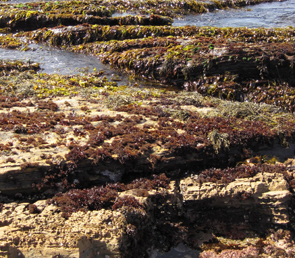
(54, 60)
(267, 15)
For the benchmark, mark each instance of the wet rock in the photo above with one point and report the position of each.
(32, 21)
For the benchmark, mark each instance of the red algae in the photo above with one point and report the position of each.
(105, 197)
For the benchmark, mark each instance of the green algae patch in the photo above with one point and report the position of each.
(10, 67)
(12, 12)
(21, 80)
(231, 63)
(8, 41)
(31, 20)
(85, 34)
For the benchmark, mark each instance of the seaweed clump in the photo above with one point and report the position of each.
(33, 209)
(20, 81)
(7, 67)
(230, 174)
(105, 196)
(47, 105)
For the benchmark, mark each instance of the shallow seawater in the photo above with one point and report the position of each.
(117, 14)
(53, 60)
(267, 15)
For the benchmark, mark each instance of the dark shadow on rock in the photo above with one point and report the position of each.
(89, 248)
(13, 252)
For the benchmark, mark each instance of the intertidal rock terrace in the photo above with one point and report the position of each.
(94, 167)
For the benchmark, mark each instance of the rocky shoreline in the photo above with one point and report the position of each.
(248, 217)
(92, 169)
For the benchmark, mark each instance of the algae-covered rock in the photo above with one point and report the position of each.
(92, 169)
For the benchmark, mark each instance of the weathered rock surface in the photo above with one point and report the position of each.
(47, 234)
(189, 210)
(259, 202)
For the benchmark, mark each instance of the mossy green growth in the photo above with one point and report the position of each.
(107, 8)
(9, 41)
(21, 80)
(218, 140)
(116, 100)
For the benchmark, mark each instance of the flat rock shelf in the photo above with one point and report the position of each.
(202, 163)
